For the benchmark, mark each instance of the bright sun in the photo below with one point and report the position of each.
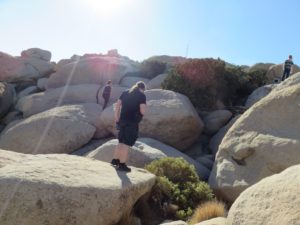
(107, 7)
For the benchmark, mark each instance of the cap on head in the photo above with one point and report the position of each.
(290, 56)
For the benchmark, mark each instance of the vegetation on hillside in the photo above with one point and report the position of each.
(205, 81)
(178, 189)
(151, 68)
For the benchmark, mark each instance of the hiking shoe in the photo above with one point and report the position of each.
(124, 167)
(115, 162)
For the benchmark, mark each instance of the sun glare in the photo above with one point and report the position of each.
(107, 7)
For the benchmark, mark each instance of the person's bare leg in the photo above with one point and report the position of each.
(123, 153)
(117, 151)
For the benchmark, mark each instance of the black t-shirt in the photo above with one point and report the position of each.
(106, 91)
(131, 101)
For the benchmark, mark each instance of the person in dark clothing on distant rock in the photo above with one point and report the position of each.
(287, 68)
(106, 93)
(130, 109)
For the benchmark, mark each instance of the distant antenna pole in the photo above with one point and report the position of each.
(187, 50)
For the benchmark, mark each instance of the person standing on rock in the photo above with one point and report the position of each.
(106, 93)
(130, 109)
(287, 68)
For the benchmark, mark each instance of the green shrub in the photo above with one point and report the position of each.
(177, 183)
(204, 81)
(152, 68)
(239, 84)
(199, 79)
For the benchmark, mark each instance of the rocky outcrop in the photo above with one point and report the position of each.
(27, 91)
(59, 130)
(258, 94)
(273, 200)
(216, 120)
(170, 118)
(145, 151)
(92, 70)
(214, 221)
(216, 140)
(11, 116)
(37, 53)
(156, 82)
(9, 157)
(42, 83)
(36, 103)
(264, 141)
(64, 189)
(179, 222)
(7, 94)
(33, 64)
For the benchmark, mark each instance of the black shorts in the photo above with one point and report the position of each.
(128, 133)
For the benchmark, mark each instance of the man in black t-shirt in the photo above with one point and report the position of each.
(130, 109)
(287, 68)
(106, 93)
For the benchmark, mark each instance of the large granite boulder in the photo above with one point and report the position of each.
(36, 103)
(145, 151)
(215, 120)
(170, 118)
(27, 91)
(59, 130)
(42, 83)
(65, 189)
(273, 200)
(30, 66)
(262, 142)
(258, 94)
(11, 116)
(214, 221)
(7, 94)
(92, 70)
(37, 53)
(156, 82)
(216, 140)
(178, 222)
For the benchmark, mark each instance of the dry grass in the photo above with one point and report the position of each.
(207, 211)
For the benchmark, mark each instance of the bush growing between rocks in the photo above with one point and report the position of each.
(199, 80)
(152, 68)
(239, 84)
(206, 211)
(204, 81)
(177, 185)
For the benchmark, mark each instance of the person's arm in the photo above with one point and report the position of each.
(118, 110)
(143, 109)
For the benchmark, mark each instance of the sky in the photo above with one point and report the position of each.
(242, 32)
